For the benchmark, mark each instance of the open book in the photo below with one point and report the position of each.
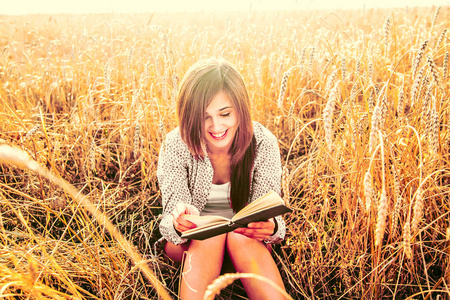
(268, 206)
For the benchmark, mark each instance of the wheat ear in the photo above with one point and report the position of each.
(344, 68)
(383, 205)
(328, 119)
(368, 190)
(398, 202)
(137, 140)
(376, 117)
(223, 281)
(401, 102)
(445, 66)
(416, 86)
(31, 132)
(285, 184)
(417, 211)
(435, 16)
(441, 38)
(418, 58)
(387, 27)
(311, 57)
(283, 88)
(434, 71)
(434, 130)
(407, 240)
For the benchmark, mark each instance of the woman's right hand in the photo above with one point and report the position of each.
(179, 222)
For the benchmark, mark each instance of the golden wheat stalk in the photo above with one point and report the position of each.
(398, 201)
(445, 66)
(401, 102)
(361, 124)
(434, 71)
(311, 57)
(290, 117)
(173, 99)
(416, 86)
(310, 173)
(358, 67)
(371, 100)
(441, 38)
(435, 16)
(283, 88)
(107, 77)
(376, 117)
(407, 240)
(433, 130)
(417, 211)
(330, 81)
(344, 68)
(370, 69)
(381, 219)
(346, 277)
(225, 280)
(328, 118)
(447, 244)
(418, 58)
(137, 141)
(384, 111)
(387, 27)
(31, 132)
(19, 158)
(285, 184)
(383, 205)
(368, 190)
(301, 60)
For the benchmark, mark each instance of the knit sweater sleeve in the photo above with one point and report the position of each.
(172, 174)
(267, 174)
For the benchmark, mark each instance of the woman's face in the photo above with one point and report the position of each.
(221, 123)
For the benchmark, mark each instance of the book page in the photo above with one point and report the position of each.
(208, 225)
(268, 200)
(205, 220)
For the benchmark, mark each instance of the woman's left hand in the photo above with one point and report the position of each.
(258, 230)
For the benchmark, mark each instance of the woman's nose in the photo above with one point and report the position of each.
(214, 123)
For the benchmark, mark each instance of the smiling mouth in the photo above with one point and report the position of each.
(218, 136)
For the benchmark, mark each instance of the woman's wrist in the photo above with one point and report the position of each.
(276, 226)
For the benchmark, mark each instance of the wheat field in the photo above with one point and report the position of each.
(359, 100)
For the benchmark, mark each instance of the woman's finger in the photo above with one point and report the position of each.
(259, 234)
(185, 224)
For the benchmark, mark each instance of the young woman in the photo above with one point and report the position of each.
(216, 162)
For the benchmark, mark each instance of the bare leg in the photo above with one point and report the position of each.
(202, 264)
(252, 256)
(175, 252)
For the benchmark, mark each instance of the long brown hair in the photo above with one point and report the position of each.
(199, 86)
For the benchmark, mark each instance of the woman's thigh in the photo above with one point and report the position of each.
(175, 252)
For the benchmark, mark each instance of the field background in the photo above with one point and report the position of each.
(359, 101)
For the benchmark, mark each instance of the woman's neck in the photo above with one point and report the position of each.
(217, 153)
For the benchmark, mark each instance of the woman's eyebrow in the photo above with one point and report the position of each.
(222, 109)
(226, 107)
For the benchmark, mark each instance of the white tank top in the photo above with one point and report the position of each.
(219, 203)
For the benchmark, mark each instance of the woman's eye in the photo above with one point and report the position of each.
(226, 115)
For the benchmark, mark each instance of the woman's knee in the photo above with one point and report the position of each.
(243, 244)
(175, 252)
(216, 243)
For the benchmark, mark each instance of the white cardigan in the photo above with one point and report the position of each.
(182, 178)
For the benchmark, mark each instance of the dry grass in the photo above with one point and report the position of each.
(91, 98)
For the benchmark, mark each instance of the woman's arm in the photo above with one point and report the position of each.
(173, 183)
(267, 176)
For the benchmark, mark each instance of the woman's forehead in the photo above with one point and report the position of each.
(221, 101)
